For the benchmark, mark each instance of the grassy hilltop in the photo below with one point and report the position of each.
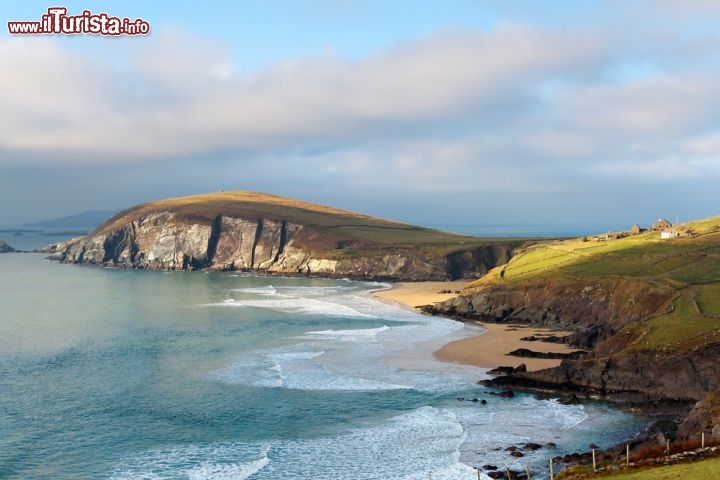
(339, 233)
(687, 268)
(253, 231)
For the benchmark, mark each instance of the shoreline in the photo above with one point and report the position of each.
(489, 349)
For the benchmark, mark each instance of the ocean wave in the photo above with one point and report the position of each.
(267, 290)
(351, 334)
(297, 370)
(303, 306)
(415, 445)
(226, 461)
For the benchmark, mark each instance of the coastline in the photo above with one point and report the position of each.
(487, 350)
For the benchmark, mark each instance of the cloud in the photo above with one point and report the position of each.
(180, 95)
(554, 117)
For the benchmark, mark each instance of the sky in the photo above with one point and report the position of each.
(465, 115)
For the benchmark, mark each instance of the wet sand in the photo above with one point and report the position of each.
(488, 350)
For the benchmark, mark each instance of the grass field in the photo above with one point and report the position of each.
(690, 266)
(700, 470)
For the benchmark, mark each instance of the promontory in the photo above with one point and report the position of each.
(250, 231)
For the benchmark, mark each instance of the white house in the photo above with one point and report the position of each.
(669, 234)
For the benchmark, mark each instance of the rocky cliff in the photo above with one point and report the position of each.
(646, 309)
(256, 232)
(5, 248)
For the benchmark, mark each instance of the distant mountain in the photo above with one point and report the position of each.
(88, 220)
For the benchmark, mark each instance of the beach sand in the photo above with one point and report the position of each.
(416, 294)
(488, 350)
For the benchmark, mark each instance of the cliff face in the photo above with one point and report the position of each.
(5, 248)
(164, 241)
(594, 311)
(596, 314)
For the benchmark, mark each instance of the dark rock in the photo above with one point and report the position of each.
(532, 446)
(504, 394)
(5, 248)
(489, 467)
(517, 453)
(526, 353)
(501, 371)
(704, 417)
(570, 399)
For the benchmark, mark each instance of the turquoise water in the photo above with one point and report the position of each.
(132, 374)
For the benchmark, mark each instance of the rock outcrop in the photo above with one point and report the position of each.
(596, 314)
(592, 311)
(703, 418)
(172, 239)
(5, 248)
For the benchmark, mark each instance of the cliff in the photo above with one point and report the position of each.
(251, 231)
(5, 248)
(648, 309)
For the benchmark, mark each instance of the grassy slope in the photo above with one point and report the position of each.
(689, 266)
(700, 470)
(324, 226)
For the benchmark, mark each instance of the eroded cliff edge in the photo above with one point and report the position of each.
(256, 232)
(647, 310)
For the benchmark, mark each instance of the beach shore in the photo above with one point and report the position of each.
(488, 350)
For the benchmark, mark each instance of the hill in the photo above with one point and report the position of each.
(647, 308)
(5, 248)
(259, 232)
(84, 220)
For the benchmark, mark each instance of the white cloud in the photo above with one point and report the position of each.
(181, 95)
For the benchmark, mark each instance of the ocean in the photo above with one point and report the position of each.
(121, 374)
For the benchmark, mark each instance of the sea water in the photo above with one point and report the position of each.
(123, 374)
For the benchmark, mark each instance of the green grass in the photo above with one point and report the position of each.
(629, 266)
(699, 470)
(683, 328)
(684, 260)
(708, 299)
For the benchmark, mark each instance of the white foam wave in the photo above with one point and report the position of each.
(226, 461)
(266, 290)
(351, 334)
(314, 291)
(424, 442)
(416, 445)
(297, 370)
(303, 306)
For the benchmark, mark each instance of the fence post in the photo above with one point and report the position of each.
(667, 448)
(594, 466)
(702, 442)
(627, 455)
(527, 472)
(552, 474)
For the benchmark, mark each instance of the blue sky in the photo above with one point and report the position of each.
(465, 114)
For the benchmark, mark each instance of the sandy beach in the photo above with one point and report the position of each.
(416, 294)
(488, 350)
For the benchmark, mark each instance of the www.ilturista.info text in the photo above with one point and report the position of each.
(58, 22)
